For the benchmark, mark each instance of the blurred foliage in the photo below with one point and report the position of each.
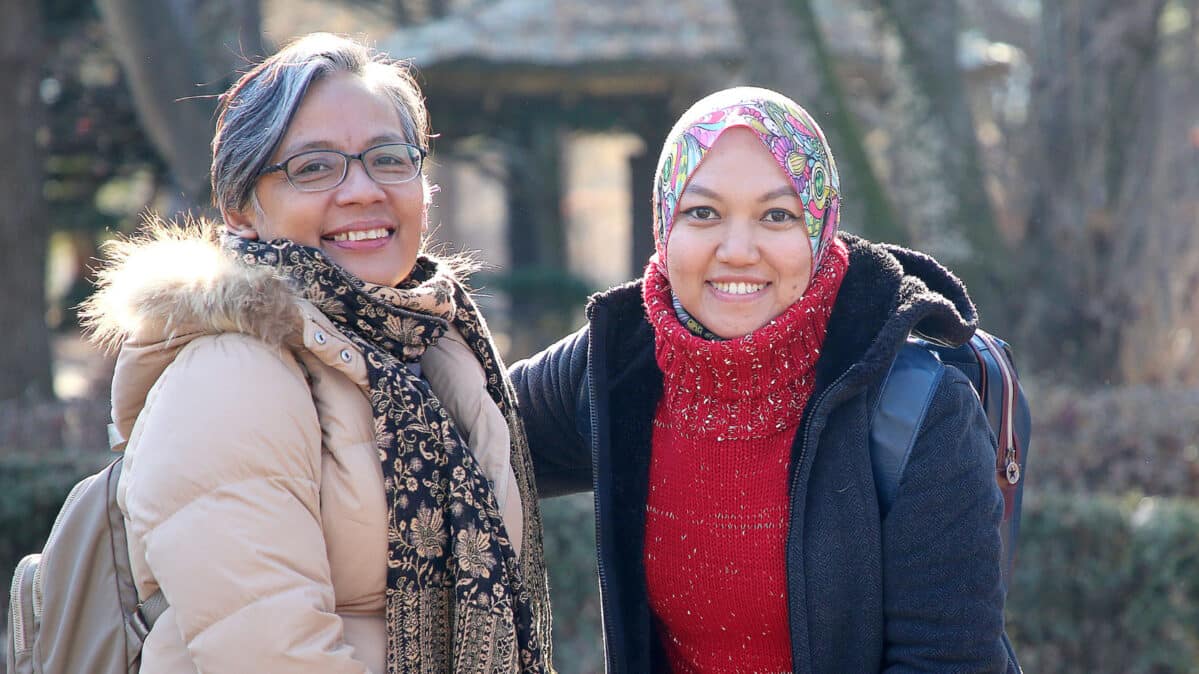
(1137, 439)
(91, 133)
(546, 303)
(100, 169)
(65, 12)
(1105, 584)
(554, 289)
(45, 428)
(570, 558)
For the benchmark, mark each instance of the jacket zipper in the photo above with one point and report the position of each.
(593, 395)
(803, 450)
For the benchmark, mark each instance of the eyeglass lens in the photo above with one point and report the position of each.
(325, 169)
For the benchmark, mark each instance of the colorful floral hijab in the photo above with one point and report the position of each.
(789, 133)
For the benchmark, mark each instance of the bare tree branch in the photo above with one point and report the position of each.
(807, 73)
(939, 173)
(1097, 121)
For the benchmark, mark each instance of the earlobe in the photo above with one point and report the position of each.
(239, 224)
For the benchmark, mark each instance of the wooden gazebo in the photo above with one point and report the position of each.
(521, 72)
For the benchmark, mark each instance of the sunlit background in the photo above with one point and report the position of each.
(1046, 150)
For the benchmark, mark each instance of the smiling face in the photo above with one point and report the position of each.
(739, 252)
(372, 230)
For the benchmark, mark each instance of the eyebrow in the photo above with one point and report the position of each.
(781, 191)
(326, 145)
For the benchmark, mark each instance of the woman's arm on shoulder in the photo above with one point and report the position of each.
(942, 591)
(224, 494)
(551, 388)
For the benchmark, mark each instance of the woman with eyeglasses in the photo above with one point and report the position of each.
(323, 470)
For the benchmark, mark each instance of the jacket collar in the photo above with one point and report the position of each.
(888, 293)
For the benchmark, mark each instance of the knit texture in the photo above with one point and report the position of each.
(716, 511)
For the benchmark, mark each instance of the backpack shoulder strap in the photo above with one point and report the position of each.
(141, 620)
(898, 415)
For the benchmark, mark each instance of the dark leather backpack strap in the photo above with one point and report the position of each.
(898, 415)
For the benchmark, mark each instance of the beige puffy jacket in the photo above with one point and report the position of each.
(252, 488)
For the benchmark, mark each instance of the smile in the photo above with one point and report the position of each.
(738, 288)
(361, 235)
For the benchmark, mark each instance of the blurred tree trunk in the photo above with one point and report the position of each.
(1098, 249)
(24, 230)
(787, 52)
(938, 176)
(176, 54)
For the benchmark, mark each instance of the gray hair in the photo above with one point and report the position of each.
(255, 112)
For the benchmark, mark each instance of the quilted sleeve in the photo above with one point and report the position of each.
(548, 386)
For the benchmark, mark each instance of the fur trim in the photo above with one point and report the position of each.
(172, 279)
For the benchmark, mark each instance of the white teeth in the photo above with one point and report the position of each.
(738, 288)
(361, 235)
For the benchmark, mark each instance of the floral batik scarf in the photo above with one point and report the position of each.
(458, 597)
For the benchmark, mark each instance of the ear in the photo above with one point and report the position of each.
(239, 223)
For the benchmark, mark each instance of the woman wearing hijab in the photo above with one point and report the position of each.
(324, 471)
(719, 408)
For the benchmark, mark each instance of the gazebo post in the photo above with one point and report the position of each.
(536, 229)
(641, 176)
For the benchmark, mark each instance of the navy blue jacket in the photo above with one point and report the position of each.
(918, 591)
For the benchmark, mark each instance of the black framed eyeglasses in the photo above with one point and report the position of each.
(319, 170)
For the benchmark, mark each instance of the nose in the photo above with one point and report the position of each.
(358, 187)
(739, 245)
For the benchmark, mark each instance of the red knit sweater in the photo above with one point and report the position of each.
(716, 516)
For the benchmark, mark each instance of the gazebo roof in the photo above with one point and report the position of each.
(612, 41)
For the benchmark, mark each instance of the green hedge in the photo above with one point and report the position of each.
(1103, 584)
(570, 557)
(1107, 585)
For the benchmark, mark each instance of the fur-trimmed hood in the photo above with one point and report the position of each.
(170, 284)
(171, 281)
